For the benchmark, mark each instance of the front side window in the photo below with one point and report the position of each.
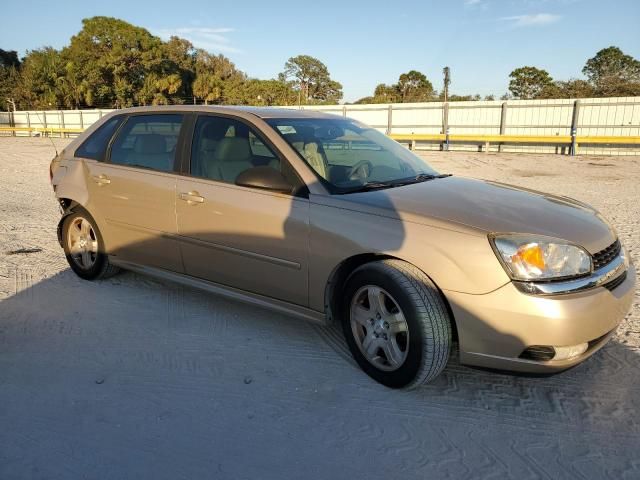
(347, 155)
(148, 141)
(223, 148)
(95, 147)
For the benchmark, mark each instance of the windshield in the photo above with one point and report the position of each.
(348, 155)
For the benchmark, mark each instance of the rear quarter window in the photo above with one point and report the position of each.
(95, 147)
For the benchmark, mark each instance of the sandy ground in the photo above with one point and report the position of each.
(132, 378)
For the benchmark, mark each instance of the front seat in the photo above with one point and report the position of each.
(210, 137)
(316, 159)
(313, 152)
(231, 158)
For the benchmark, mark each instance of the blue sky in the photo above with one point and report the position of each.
(362, 42)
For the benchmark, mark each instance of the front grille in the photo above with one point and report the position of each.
(606, 256)
(616, 282)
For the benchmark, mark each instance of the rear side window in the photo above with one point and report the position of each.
(95, 147)
(148, 141)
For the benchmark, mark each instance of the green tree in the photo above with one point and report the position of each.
(9, 58)
(613, 73)
(384, 93)
(610, 67)
(573, 88)
(527, 82)
(112, 59)
(312, 80)
(216, 78)
(41, 80)
(9, 68)
(413, 86)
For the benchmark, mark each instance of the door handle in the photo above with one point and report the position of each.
(101, 179)
(192, 198)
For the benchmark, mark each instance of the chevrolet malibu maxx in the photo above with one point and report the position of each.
(321, 217)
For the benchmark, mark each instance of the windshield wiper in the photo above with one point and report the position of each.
(423, 177)
(368, 186)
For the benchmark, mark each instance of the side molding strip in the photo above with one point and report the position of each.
(225, 291)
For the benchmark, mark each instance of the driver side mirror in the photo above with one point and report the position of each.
(265, 178)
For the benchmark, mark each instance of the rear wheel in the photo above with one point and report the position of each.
(396, 323)
(84, 248)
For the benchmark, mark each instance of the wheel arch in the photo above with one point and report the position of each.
(343, 271)
(67, 206)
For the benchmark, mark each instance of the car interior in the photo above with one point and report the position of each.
(148, 142)
(337, 155)
(223, 148)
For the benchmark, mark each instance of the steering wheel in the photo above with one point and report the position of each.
(360, 170)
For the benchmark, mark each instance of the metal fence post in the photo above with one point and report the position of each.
(81, 120)
(29, 123)
(389, 119)
(62, 124)
(574, 127)
(344, 110)
(44, 120)
(445, 125)
(503, 122)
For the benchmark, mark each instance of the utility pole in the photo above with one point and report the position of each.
(12, 116)
(447, 81)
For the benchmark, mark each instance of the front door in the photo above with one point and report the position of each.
(250, 239)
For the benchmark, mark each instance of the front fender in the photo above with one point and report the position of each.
(461, 261)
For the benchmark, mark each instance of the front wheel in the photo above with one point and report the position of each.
(396, 323)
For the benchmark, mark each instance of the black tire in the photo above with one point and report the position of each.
(426, 315)
(101, 267)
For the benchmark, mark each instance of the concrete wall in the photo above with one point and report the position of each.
(595, 117)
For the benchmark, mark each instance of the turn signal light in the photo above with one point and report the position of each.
(530, 254)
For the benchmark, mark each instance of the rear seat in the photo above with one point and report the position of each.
(151, 151)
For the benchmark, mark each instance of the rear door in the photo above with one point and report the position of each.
(134, 190)
(247, 238)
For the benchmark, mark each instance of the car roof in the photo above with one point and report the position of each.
(262, 112)
(279, 112)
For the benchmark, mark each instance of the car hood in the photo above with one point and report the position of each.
(493, 208)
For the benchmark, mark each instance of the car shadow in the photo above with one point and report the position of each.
(134, 312)
(151, 379)
(93, 373)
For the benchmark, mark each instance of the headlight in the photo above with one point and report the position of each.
(533, 257)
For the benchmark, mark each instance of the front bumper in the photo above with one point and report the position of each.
(494, 329)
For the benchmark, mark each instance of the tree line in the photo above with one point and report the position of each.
(113, 64)
(610, 73)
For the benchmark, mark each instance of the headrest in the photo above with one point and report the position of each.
(311, 147)
(233, 148)
(307, 133)
(208, 144)
(150, 144)
(293, 137)
(214, 130)
(295, 140)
